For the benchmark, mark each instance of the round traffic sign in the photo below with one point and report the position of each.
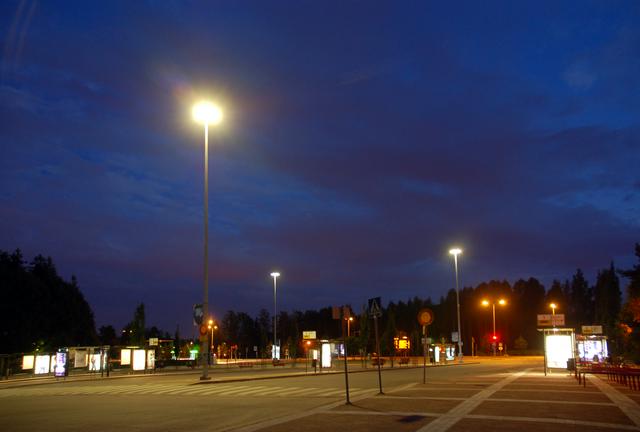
(203, 329)
(425, 316)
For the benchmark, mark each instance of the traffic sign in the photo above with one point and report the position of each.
(425, 317)
(198, 314)
(203, 330)
(309, 334)
(375, 309)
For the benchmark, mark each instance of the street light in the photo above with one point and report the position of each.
(206, 114)
(455, 252)
(349, 326)
(275, 276)
(501, 302)
(212, 328)
(553, 307)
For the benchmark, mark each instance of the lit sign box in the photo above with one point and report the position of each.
(559, 349)
(60, 366)
(151, 359)
(326, 355)
(125, 357)
(42, 364)
(309, 334)
(139, 357)
(80, 359)
(402, 344)
(94, 361)
(27, 362)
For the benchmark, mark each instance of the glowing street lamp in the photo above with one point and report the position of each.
(275, 276)
(501, 302)
(206, 114)
(455, 252)
(349, 320)
(553, 307)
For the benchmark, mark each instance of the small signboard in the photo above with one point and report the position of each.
(375, 307)
(425, 317)
(309, 334)
(153, 341)
(198, 314)
(454, 336)
(592, 330)
(550, 320)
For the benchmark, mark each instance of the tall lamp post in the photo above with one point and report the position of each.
(206, 114)
(275, 276)
(212, 327)
(455, 252)
(501, 302)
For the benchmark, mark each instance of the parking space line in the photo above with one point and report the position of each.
(616, 426)
(450, 418)
(625, 403)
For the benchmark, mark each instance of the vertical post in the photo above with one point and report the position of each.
(455, 260)
(275, 318)
(375, 325)
(424, 350)
(346, 358)
(205, 300)
(494, 329)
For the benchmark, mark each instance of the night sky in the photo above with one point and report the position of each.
(361, 141)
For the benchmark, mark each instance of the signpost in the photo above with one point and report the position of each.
(375, 310)
(425, 317)
(340, 312)
(309, 335)
(550, 320)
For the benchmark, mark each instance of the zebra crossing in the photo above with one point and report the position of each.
(231, 390)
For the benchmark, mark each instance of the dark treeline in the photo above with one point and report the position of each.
(38, 309)
(41, 308)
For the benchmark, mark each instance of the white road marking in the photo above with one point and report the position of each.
(616, 426)
(625, 403)
(454, 415)
(557, 402)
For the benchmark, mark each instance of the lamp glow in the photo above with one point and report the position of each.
(207, 113)
(455, 251)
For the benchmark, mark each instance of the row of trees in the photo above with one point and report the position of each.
(40, 309)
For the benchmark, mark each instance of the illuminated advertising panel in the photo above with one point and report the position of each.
(559, 350)
(60, 365)
(28, 362)
(326, 355)
(151, 359)
(94, 361)
(125, 357)
(42, 364)
(139, 357)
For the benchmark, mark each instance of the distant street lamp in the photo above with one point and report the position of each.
(553, 307)
(206, 114)
(494, 338)
(455, 252)
(349, 326)
(275, 276)
(212, 327)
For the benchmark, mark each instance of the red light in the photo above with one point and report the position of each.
(494, 337)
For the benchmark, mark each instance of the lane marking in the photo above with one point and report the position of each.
(625, 403)
(560, 402)
(616, 426)
(454, 415)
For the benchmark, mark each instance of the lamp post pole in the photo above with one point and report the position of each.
(275, 275)
(455, 252)
(206, 113)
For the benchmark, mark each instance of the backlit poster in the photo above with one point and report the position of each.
(28, 362)
(559, 350)
(42, 364)
(125, 357)
(60, 366)
(139, 357)
(151, 359)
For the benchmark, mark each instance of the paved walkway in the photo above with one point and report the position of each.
(523, 401)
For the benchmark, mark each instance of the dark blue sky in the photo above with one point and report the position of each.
(360, 142)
